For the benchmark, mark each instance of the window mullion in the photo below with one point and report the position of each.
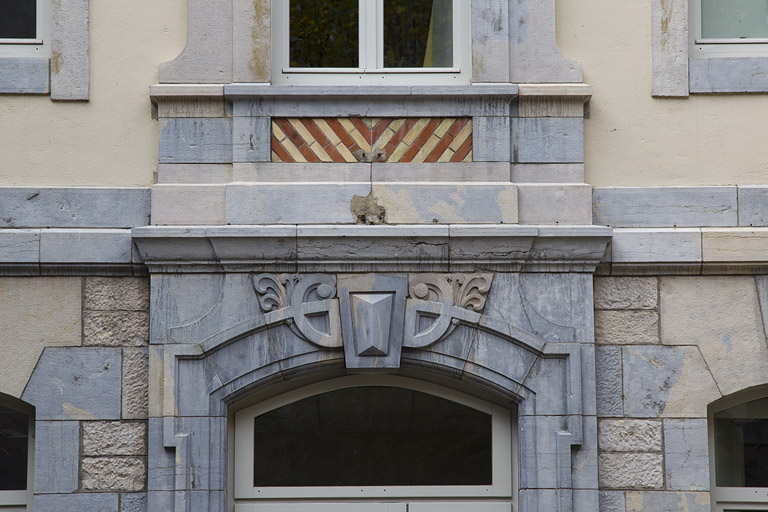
(368, 34)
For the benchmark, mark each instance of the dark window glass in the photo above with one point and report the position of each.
(377, 436)
(324, 33)
(418, 34)
(14, 443)
(741, 445)
(18, 19)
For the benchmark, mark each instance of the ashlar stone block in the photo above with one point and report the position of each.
(612, 501)
(608, 377)
(687, 454)
(119, 328)
(631, 471)
(630, 436)
(117, 293)
(668, 501)
(626, 327)
(626, 293)
(135, 383)
(114, 473)
(57, 451)
(114, 438)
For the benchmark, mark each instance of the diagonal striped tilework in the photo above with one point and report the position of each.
(367, 139)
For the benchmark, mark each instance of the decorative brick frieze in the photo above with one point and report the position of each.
(369, 139)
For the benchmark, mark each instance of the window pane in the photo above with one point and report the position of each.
(418, 33)
(369, 436)
(734, 18)
(14, 443)
(324, 34)
(741, 445)
(18, 19)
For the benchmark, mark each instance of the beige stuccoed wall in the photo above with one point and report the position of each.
(633, 139)
(110, 140)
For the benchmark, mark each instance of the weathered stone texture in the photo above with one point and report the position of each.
(631, 471)
(114, 473)
(122, 328)
(626, 327)
(114, 438)
(30, 311)
(609, 381)
(630, 436)
(134, 502)
(721, 315)
(626, 293)
(135, 384)
(668, 502)
(612, 501)
(686, 461)
(117, 294)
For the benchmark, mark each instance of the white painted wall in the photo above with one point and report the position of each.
(110, 140)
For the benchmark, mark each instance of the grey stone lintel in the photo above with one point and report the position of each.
(358, 248)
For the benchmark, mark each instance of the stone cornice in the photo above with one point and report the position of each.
(341, 248)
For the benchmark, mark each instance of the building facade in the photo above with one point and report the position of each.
(459, 255)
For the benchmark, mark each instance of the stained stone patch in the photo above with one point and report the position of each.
(114, 438)
(135, 384)
(668, 502)
(117, 293)
(119, 328)
(630, 436)
(626, 327)
(631, 471)
(626, 293)
(113, 473)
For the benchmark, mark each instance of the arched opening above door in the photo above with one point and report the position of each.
(373, 439)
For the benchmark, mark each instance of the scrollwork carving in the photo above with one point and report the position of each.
(467, 291)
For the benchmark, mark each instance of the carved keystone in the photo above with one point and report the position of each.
(372, 315)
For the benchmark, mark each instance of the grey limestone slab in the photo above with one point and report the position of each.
(737, 74)
(686, 460)
(612, 501)
(545, 458)
(548, 377)
(559, 204)
(585, 499)
(196, 379)
(207, 452)
(306, 172)
(73, 207)
(753, 206)
(449, 171)
(76, 383)
(69, 46)
(194, 173)
(57, 456)
(584, 474)
(19, 246)
(547, 140)
(23, 75)
(185, 205)
(207, 56)
(650, 245)
(133, 502)
(534, 56)
(669, 48)
(665, 206)
(505, 358)
(609, 381)
(297, 203)
(443, 203)
(161, 467)
(195, 140)
(85, 502)
(490, 41)
(548, 173)
(588, 379)
(669, 501)
(85, 246)
(251, 139)
(649, 373)
(491, 139)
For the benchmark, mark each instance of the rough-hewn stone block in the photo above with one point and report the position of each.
(626, 327)
(609, 381)
(117, 293)
(114, 473)
(630, 436)
(626, 293)
(133, 502)
(114, 438)
(69, 45)
(116, 328)
(135, 383)
(631, 471)
(669, 48)
(612, 501)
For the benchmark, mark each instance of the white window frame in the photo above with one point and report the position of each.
(728, 47)
(36, 47)
(372, 70)
(500, 495)
(733, 498)
(21, 500)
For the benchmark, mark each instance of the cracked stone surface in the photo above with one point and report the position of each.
(687, 458)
